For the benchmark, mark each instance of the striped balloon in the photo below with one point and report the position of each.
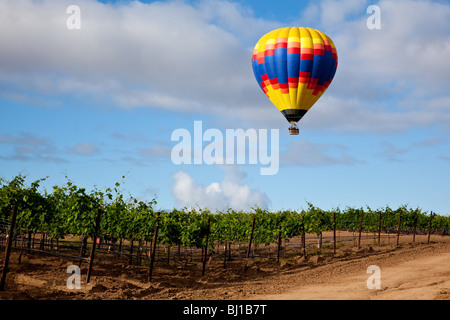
(294, 67)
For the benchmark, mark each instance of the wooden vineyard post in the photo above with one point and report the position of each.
(334, 231)
(94, 240)
(131, 251)
(279, 244)
(139, 253)
(21, 248)
(319, 244)
(414, 229)
(82, 250)
(8, 248)
(360, 229)
(249, 245)
(303, 238)
(398, 229)
(429, 227)
(225, 255)
(29, 242)
(152, 255)
(379, 228)
(205, 255)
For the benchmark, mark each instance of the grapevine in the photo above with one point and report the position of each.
(71, 210)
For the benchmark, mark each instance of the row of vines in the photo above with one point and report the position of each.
(71, 210)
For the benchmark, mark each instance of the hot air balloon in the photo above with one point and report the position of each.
(294, 67)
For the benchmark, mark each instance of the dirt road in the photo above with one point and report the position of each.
(411, 273)
(425, 278)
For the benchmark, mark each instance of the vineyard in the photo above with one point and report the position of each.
(61, 222)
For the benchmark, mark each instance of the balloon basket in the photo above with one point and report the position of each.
(293, 130)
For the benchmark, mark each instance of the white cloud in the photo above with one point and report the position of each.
(170, 55)
(390, 79)
(304, 153)
(28, 147)
(429, 142)
(356, 115)
(25, 139)
(444, 157)
(391, 152)
(156, 151)
(409, 51)
(230, 192)
(196, 58)
(84, 149)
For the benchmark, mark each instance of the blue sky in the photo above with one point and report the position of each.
(102, 102)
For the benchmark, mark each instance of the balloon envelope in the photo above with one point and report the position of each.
(294, 67)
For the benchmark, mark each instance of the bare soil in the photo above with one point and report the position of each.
(418, 271)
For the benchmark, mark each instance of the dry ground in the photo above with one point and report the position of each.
(418, 270)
